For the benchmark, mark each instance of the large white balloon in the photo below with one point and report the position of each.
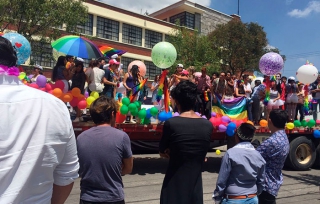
(307, 74)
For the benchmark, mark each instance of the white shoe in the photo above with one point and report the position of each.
(132, 121)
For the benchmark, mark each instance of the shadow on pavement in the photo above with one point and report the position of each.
(153, 165)
(305, 178)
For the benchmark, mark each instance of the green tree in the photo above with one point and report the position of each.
(239, 45)
(193, 49)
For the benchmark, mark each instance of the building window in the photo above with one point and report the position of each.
(131, 35)
(152, 38)
(107, 28)
(167, 38)
(87, 28)
(126, 61)
(42, 54)
(184, 19)
(152, 70)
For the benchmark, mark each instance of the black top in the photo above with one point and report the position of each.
(109, 76)
(79, 80)
(188, 140)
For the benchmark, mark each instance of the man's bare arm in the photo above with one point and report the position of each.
(60, 193)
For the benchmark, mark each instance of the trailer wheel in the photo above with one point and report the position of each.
(302, 154)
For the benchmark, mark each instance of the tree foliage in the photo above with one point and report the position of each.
(193, 49)
(239, 45)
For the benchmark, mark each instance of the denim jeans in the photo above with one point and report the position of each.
(249, 110)
(108, 94)
(253, 200)
(300, 110)
(315, 109)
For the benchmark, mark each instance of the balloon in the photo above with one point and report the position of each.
(59, 84)
(213, 121)
(76, 92)
(74, 102)
(132, 107)
(154, 111)
(318, 122)
(311, 123)
(138, 104)
(307, 74)
(90, 99)
(297, 123)
(198, 114)
(49, 87)
(218, 152)
(141, 65)
(230, 133)
(86, 94)
(270, 63)
(162, 116)
(126, 101)
(176, 114)
(304, 123)
(22, 75)
(163, 55)
(124, 110)
(21, 45)
(148, 115)
(250, 122)
(205, 117)
(290, 126)
(34, 85)
(213, 114)
(30, 76)
(142, 113)
(67, 97)
(134, 112)
(263, 123)
(225, 119)
(316, 134)
(94, 94)
(222, 128)
(231, 126)
(82, 104)
(168, 115)
(56, 92)
(41, 81)
(80, 97)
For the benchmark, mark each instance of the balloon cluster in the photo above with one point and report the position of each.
(296, 124)
(225, 124)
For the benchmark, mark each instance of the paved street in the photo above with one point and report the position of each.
(144, 184)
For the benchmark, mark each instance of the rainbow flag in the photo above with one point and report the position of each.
(166, 96)
(135, 90)
(234, 109)
(109, 51)
(161, 84)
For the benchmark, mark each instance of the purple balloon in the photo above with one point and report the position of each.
(197, 113)
(86, 94)
(30, 76)
(41, 81)
(270, 63)
(175, 114)
(222, 128)
(204, 117)
(213, 114)
(225, 119)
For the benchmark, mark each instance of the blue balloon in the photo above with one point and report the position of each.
(230, 133)
(231, 126)
(316, 133)
(21, 45)
(148, 116)
(162, 116)
(168, 115)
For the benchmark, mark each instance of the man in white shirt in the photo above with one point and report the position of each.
(38, 154)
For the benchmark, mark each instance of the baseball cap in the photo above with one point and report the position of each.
(291, 78)
(185, 72)
(113, 61)
(180, 65)
(38, 67)
(115, 56)
(80, 59)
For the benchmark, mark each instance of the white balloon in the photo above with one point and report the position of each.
(307, 74)
(258, 78)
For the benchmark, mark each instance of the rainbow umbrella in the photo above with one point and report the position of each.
(109, 51)
(77, 46)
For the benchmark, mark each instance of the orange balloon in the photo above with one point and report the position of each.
(80, 97)
(57, 92)
(250, 122)
(263, 123)
(67, 97)
(76, 92)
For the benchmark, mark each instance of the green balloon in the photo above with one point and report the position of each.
(311, 123)
(297, 123)
(145, 121)
(126, 101)
(124, 109)
(163, 55)
(134, 112)
(138, 104)
(304, 123)
(154, 111)
(142, 113)
(132, 107)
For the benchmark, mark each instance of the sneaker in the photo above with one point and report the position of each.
(76, 120)
(133, 122)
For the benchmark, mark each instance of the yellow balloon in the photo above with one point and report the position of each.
(94, 94)
(218, 152)
(22, 75)
(290, 126)
(90, 99)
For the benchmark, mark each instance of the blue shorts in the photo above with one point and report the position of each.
(253, 200)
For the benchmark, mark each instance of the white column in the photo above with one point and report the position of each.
(94, 30)
(120, 31)
(143, 36)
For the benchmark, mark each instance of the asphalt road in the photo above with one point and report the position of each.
(144, 184)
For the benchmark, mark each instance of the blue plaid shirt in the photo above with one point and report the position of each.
(274, 151)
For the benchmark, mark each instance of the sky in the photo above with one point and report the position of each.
(293, 26)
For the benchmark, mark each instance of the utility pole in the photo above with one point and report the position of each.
(238, 7)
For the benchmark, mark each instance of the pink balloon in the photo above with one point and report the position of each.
(59, 84)
(43, 89)
(74, 102)
(49, 87)
(82, 104)
(318, 121)
(222, 128)
(225, 119)
(141, 65)
(34, 85)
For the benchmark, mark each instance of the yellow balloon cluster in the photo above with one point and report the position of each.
(93, 96)
(290, 126)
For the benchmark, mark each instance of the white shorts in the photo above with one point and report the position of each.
(274, 105)
(292, 98)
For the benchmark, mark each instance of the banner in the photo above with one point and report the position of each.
(234, 109)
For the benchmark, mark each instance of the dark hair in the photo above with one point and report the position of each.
(279, 74)
(155, 78)
(278, 118)
(101, 110)
(246, 132)
(78, 63)
(228, 72)
(185, 93)
(215, 73)
(101, 58)
(223, 73)
(8, 56)
(68, 57)
(283, 78)
(94, 63)
(134, 72)
(257, 82)
(60, 63)
(245, 76)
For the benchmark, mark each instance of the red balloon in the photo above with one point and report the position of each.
(34, 85)
(213, 121)
(49, 87)
(74, 102)
(82, 104)
(59, 84)
(50, 92)
(43, 89)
